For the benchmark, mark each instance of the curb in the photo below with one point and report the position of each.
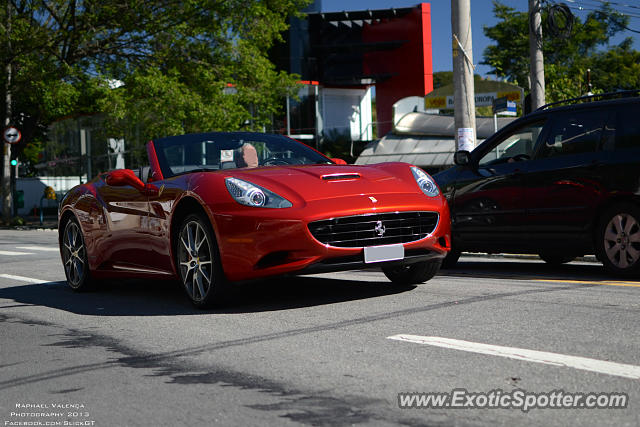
(32, 225)
(29, 227)
(587, 258)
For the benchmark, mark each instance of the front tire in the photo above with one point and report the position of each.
(451, 259)
(198, 262)
(74, 257)
(618, 239)
(412, 274)
(555, 258)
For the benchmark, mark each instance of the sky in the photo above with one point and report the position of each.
(481, 15)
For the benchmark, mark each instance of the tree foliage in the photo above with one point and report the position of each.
(182, 65)
(444, 78)
(566, 59)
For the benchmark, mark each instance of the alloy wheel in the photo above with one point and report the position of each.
(622, 241)
(195, 261)
(74, 255)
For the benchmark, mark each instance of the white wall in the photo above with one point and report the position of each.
(407, 105)
(347, 111)
(34, 189)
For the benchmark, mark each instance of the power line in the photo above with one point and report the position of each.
(631, 6)
(629, 29)
(591, 9)
(560, 20)
(627, 14)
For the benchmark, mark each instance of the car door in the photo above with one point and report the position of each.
(167, 191)
(124, 244)
(161, 204)
(489, 200)
(564, 180)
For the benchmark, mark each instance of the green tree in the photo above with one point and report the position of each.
(176, 59)
(443, 78)
(617, 68)
(566, 59)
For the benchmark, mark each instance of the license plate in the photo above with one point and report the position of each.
(383, 253)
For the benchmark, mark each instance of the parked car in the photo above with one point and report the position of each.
(215, 208)
(561, 182)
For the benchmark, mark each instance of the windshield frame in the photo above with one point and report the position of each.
(232, 138)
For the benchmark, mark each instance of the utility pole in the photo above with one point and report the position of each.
(537, 60)
(464, 107)
(6, 151)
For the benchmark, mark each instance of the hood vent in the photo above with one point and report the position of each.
(340, 176)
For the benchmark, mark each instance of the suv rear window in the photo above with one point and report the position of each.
(627, 127)
(574, 133)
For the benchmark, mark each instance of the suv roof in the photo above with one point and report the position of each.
(613, 97)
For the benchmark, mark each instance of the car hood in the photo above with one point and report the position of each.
(316, 182)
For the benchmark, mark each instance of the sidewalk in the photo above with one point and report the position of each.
(33, 223)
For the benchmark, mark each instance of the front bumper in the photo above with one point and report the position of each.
(257, 243)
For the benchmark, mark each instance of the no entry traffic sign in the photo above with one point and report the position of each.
(12, 135)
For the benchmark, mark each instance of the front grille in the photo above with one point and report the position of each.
(374, 229)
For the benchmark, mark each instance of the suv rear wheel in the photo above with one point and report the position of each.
(618, 239)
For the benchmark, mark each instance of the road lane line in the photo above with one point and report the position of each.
(555, 359)
(12, 253)
(40, 248)
(587, 282)
(23, 279)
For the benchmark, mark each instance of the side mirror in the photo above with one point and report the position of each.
(338, 161)
(121, 177)
(462, 158)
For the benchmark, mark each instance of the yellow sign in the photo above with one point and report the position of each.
(511, 96)
(49, 193)
(439, 102)
(481, 99)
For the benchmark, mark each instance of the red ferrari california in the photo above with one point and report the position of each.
(214, 208)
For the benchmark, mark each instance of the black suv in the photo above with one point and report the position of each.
(561, 182)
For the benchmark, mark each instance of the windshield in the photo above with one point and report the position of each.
(216, 151)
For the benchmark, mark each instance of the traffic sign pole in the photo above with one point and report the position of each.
(7, 197)
(6, 183)
(10, 136)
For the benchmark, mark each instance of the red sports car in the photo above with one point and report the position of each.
(215, 208)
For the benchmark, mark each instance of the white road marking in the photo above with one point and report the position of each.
(12, 253)
(23, 279)
(556, 359)
(40, 248)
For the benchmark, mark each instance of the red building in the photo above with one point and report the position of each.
(357, 50)
(407, 69)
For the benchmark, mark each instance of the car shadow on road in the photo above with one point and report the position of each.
(166, 298)
(535, 270)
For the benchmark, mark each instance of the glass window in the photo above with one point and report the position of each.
(216, 151)
(517, 146)
(574, 133)
(627, 127)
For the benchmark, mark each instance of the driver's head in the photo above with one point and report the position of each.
(249, 157)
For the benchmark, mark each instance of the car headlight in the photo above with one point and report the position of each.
(425, 182)
(253, 195)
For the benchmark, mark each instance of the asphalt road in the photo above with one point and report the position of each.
(313, 350)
